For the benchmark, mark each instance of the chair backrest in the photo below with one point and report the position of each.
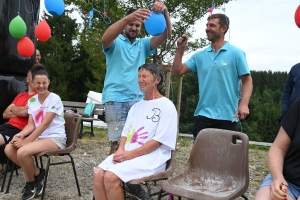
(218, 164)
(72, 125)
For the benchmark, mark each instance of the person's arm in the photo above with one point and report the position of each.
(31, 131)
(158, 40)
(276, 156)
(115, 29)
(247, 87)
(122, 155)
(287, 92)
(42, 127)
(15, 111)
(178, 68)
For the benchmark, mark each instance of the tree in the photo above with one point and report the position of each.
(57, 54)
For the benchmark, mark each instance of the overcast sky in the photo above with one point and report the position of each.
(264, 29)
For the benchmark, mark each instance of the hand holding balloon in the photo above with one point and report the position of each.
(158, 7)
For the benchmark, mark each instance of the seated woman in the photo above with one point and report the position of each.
(45, 131)
(147, 139)
(283, 181)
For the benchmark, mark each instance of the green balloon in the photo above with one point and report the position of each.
(17, 27)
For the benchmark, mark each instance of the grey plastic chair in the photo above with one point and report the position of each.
(72, 129)
(217, 168)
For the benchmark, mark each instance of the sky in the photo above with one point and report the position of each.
(264, 29)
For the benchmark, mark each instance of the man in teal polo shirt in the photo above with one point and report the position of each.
(220, 68)
(126, 52)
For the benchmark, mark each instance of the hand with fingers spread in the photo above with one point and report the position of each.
(138, 15)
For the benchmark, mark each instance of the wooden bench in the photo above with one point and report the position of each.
(99, 110)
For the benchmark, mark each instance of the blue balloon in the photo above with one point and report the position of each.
(155, 24)
(55, 7)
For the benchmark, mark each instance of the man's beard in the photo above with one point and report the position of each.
(129, 36)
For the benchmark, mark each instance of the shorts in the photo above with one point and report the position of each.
(292, 191)
(8, 132)
(60, 142)
(115, 117)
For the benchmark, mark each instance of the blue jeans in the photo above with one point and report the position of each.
(115, 117)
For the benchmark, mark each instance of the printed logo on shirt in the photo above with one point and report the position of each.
(223, 62)
(135, 136)
(7, 137)
(155, 116)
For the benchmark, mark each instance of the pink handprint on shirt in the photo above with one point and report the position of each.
(39, 118)
(138, 135)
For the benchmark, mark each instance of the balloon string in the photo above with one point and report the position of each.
(104, 16)
(19, 7)
(31, 7)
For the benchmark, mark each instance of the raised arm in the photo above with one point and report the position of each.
(178, 68)
(158, 40)
(15, 111)
(115, 29)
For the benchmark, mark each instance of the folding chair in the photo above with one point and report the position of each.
(217, 168)
(72, 129)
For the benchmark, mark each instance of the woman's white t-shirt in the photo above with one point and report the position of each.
(38, 111)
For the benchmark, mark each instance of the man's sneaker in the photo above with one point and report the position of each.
(39, 181)
(137, 191)
(29, 191)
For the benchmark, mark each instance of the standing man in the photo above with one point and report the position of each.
(292, 88)
(38, 56)
(125, 53)
(17, 114)
(219, 67)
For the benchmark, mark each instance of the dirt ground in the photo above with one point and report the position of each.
(91, 151)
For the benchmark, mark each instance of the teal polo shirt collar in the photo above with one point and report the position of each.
(121, 36)
(224, 47)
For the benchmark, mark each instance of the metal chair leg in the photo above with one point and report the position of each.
(5, 173)
(46, 176)
(10, 177)
(75, 174)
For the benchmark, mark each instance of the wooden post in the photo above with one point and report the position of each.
(179, 97)
(168, 84)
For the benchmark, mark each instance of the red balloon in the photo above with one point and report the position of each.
(42, 31)
(25, 47)
(297, 16)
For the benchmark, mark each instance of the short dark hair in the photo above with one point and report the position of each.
(39, 69)
(156, 70)
(131, 10)
(223, 20)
